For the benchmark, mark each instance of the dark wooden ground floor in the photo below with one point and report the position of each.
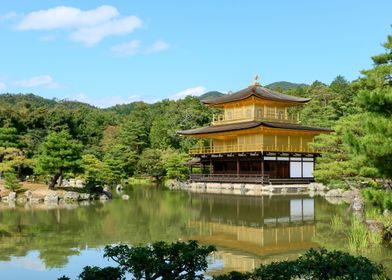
(258, 168)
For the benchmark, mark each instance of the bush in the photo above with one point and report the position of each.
(315, 264)
(378, 198)
(186, 261)
(180, 260)
(93, 187)
(11, 182)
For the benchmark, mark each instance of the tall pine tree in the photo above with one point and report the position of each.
(375, 98)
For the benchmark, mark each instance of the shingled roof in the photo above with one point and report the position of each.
(248, 125)
(257, 91)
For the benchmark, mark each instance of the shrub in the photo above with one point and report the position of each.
(378, 198)
(11, 182)
(315, 264)
(186, 261)
(180, 260)
(93, 187)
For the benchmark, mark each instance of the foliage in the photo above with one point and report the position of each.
(337, 162)
(179, 260)
(358, 236)
(316, 264)
(375, 98)
(150, 164)
(93, 187)
(60, 154)
(97, 273)
(93, 168)
(11, 182)
(336, 222)
(173, 162)
(183, 260)
(378, 198)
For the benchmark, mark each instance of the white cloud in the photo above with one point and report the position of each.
(127, 49)
(88, 27)
(38, 81)
(2, 86)
(134, 47)
(66, 17)
(158, 46)
(94, 34)
(195, 91)
(112, 100)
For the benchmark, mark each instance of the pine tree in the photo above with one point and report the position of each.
(375, 98)
(60, 154)
(11, 182)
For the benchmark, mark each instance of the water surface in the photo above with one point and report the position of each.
(248, 230)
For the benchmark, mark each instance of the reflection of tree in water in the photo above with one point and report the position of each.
(149, 215)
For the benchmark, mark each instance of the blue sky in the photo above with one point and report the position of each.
(108, 52)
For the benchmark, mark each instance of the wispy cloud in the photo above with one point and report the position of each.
(158, 46)
(195, 91)
(45, 81)
(134, 47)
(63, 17)
(127, 49)
(106, 102)
(94, 34)
(88, 27)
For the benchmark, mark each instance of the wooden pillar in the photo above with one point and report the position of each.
(238, 165)
(262, 168)
(276, 142)
(211, 166)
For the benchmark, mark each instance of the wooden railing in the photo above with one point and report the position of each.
(240, 178)
(251, 148)
(226, 118)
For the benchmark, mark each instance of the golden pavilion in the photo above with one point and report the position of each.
(256, 139)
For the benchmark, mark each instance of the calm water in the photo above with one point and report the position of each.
(48, 243)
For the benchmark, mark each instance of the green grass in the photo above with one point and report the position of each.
(358, 236)
(337, 223)
(140, 181)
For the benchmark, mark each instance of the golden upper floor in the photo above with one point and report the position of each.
(255, 112)
(255, 103)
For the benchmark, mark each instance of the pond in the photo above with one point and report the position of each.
(247, 230)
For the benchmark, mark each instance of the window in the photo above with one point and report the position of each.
(248, 113)
(259, 113)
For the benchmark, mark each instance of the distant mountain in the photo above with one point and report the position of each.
(283, 85)
(34, 101)
(211, 94)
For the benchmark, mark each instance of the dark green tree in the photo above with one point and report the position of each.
(11, 182)
(375, 97)
(59, 155)
(173, 162)
(151, 164)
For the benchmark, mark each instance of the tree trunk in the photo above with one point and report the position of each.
(61, 180)
(54, 180)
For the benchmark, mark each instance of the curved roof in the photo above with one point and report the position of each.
(248, 125)
(257, 91)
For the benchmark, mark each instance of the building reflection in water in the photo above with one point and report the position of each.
(249, 231)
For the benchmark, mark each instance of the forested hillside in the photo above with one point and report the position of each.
(52, 139)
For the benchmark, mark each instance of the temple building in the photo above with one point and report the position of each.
(256, 139)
